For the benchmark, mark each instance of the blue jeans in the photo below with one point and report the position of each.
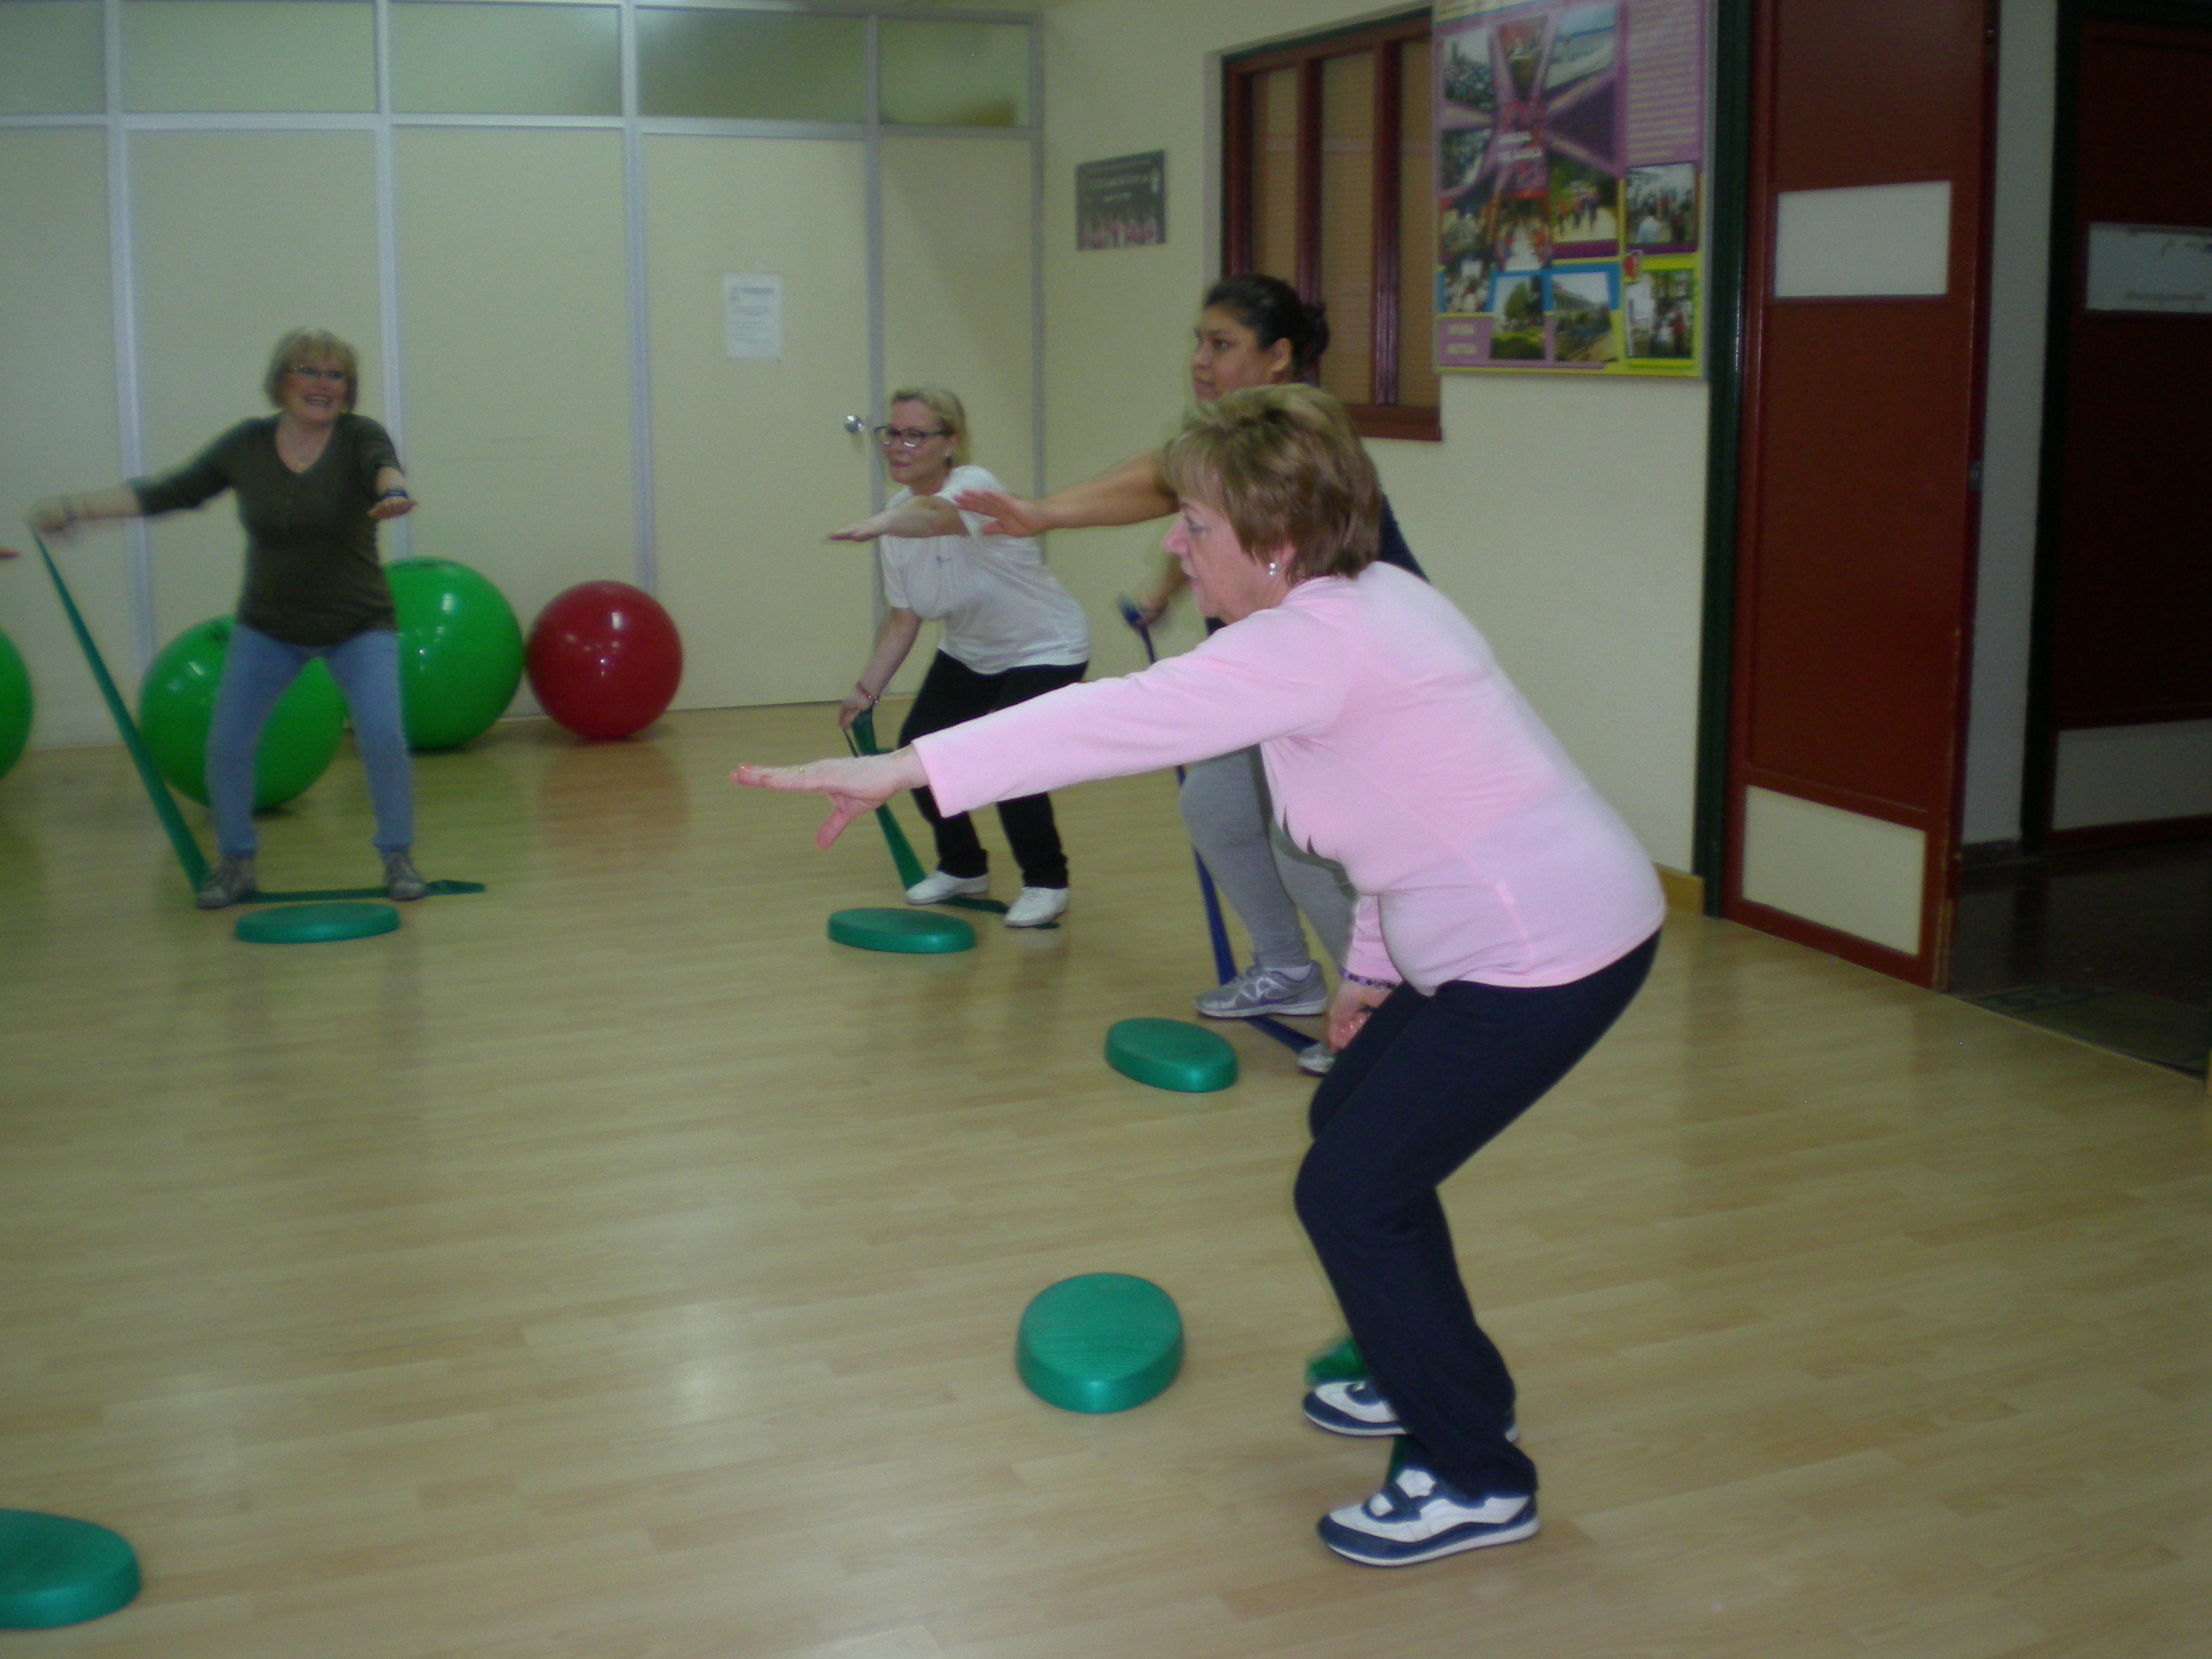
(255, 670)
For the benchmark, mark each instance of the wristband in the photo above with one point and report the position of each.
(1371, 984)
(395, 496)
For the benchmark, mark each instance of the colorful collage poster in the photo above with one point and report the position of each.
(1570, 165)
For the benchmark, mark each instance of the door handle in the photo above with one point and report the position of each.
(854, 423)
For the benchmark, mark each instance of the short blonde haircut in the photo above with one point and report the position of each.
(946, 406)
(311, 345)
(1284, 467)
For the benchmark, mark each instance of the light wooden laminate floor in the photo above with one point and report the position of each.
(608, 1266)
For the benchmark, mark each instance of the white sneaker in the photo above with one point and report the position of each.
(937, 888)
(1037, 907)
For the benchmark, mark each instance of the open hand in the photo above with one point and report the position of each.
(1004, 514)
(854, 786)
(862, 530)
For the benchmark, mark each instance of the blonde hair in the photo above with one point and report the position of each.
(946, 406)
(311, 345)
(1284, 466)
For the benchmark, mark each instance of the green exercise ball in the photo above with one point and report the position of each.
(176, 705)
(460, 651)
(15, 704)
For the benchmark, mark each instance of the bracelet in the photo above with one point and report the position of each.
(395, 495)
(1371, 984)
(873, 697)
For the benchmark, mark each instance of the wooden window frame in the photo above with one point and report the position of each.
(1384, 416)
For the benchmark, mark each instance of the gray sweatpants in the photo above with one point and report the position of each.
(1267, 880)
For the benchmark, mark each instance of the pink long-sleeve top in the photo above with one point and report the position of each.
(1393, 744)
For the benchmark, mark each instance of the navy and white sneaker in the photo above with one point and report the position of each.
(1417, 1518)
(1355, 1409)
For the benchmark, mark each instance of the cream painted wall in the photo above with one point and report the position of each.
(957, 299)
(515, 323)
(57, 428)
(241, 236)
(1567, 519)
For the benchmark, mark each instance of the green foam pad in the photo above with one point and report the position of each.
(913, 932)
(1339, 1362)
(316, 924)
(1100, 1342)
(54, 1570)
(1170, 1054)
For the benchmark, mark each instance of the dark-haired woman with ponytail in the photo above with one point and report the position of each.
(1252, 331)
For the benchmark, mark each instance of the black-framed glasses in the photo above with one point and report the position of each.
(906, 437)
(318, 372)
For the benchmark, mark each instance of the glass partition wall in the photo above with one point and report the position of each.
(539, 221)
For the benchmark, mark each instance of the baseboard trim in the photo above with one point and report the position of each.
(1684, 891)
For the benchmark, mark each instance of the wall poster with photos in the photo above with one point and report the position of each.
(1569, 164)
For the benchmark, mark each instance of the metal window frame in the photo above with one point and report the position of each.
(119, 126)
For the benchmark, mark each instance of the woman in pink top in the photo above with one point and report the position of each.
(1506, 916)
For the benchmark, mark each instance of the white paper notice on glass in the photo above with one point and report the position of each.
(752, 317)
(2165, 267)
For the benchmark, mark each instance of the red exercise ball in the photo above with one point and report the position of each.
(604, 659)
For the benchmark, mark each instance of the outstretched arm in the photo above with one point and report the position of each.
(1129, 494)
(392, 499)
(924, 515)
(54, 515)
(856, 785)
(893, 641)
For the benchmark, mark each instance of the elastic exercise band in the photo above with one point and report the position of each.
(165, 805)
(1224, 960)
(157, 789)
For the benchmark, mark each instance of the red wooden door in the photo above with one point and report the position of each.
(2127, 583)
(1856, 507)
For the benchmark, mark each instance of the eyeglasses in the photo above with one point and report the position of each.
(906, 437)
(318, 372)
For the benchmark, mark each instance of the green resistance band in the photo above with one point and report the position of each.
(862, 740)
(157, 789)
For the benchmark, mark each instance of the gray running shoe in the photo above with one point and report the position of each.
(1258, 991)
(402, 880)
(229, 881)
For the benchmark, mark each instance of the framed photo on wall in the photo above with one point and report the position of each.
(1121, 202)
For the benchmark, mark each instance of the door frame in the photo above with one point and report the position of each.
(2040, 764)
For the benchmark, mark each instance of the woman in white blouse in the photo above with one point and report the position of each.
(1011, 632)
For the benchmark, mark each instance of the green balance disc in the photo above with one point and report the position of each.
(315, 924)
(1170, 1054)
(1339, 1362)
(54, 1570)
(1100, 1342)
(911, 932)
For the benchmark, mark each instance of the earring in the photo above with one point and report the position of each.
(1271, 566)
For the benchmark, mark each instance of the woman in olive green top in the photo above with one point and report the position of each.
(312, 482)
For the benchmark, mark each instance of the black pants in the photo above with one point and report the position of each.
(952, 694)
(1427, 1083)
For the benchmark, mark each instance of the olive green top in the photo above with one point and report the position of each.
(311, 572)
